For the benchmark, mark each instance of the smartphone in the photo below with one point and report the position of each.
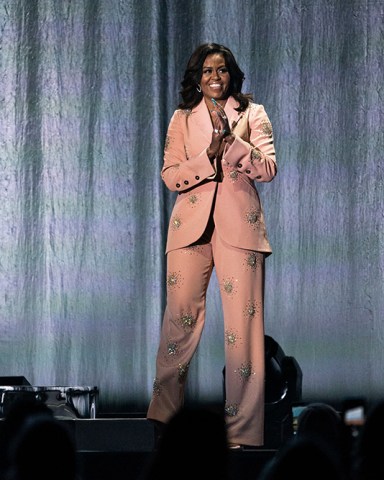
(354, 411)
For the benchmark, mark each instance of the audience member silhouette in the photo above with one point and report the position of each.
(36, 445)
(193, 446)
(15, 416)
(303, 458)
(368, 461)
(325, 424)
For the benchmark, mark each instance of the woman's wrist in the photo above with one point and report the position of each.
(210, 155)
(230, 138)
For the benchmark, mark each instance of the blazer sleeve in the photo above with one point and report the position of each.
(181, 172)
(256, 157)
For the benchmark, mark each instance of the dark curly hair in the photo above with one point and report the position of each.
(192, 76)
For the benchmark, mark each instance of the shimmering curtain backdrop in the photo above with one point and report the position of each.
(87, 88)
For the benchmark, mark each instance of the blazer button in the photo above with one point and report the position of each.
(197, 177)
(186, 182)
(258, 176)
(239, 165)
(248, 171)
(178, 185)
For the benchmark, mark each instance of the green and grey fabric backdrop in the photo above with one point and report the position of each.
(87, 88)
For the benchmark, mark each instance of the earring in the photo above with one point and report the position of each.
(198, 88)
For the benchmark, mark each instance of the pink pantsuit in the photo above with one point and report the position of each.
(217, 222)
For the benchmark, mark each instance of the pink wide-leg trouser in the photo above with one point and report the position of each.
(240, 274)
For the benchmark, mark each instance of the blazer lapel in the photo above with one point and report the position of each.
(232, 114)
(202, 120)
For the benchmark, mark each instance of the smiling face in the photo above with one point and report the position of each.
(215, 78)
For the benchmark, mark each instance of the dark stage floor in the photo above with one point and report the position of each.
(114, 445)
(122, 448)
(108, 448)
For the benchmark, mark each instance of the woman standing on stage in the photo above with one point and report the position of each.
(219, 144)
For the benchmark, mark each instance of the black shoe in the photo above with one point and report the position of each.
(158, 428)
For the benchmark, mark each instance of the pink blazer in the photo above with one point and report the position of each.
(228, 187)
